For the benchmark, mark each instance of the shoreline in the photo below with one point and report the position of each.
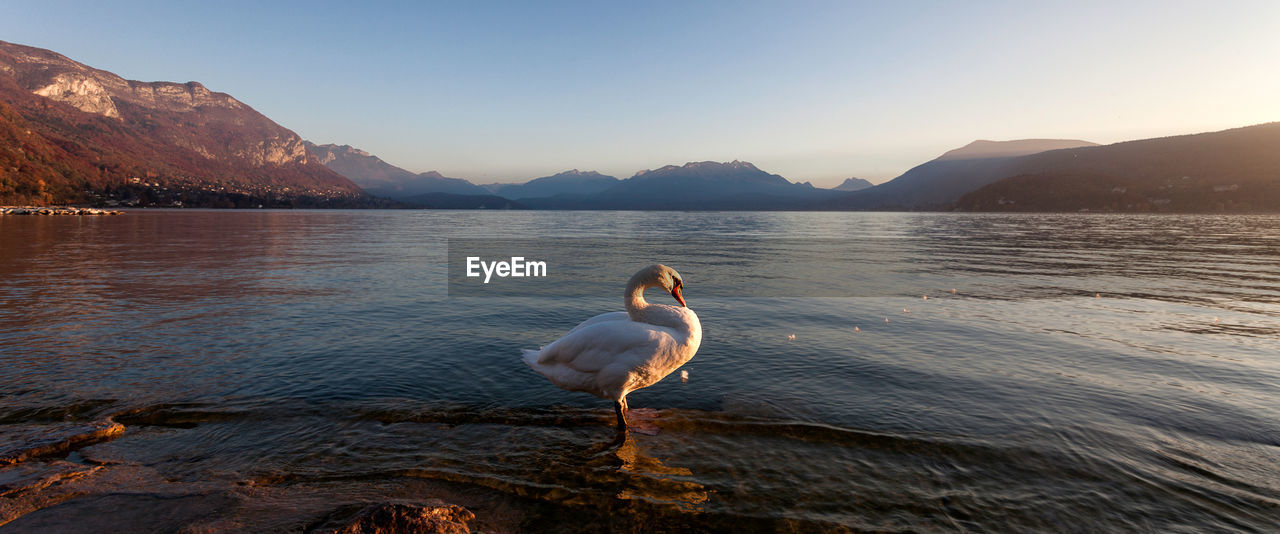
(55, 210)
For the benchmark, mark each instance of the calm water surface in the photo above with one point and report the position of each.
(1116, 373)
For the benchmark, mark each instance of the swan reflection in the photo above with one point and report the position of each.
(625, 464)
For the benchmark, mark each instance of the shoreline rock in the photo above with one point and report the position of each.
(25, 442)
(433, 517)
(54, 210)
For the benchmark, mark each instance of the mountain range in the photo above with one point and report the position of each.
(73, 133)
(573, 182)
(705, 185)
(695, 185)
(1232, 170)
(70, 133)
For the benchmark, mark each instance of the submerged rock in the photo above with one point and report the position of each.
(396, 518)
(19, 443)
(35, 476)
(128, 511)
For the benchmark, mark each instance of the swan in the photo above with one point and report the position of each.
(613, 354)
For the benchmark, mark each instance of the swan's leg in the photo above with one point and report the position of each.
(620, 407)
(644, 426)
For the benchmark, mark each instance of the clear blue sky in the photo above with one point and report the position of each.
(504, 91)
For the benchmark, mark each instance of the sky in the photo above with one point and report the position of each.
(812, 90)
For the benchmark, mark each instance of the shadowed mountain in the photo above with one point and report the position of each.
(853, 184)
(703, 185)
(93, 134)
(1230, 170)
(383, 179)
(428, 182)
(449, 201)
(572, 182)
(937, 184)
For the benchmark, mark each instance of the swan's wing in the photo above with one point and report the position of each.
(604, 317)
(590, 348)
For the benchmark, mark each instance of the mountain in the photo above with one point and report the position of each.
(1229, 170)
(449, 201)
(706, 185)
(76, 133)
(572, 182)
(383, 179)
(983, 149)
(361, 167)
(427, 182)
(938, 183)
(853, 184)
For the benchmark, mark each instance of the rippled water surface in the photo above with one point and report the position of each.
(1065, 372)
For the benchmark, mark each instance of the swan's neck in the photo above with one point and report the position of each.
(634, 297)
(642, 311)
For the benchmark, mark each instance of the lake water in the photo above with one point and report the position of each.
(1088, 372)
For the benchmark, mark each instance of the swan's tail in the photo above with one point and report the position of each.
(530, 357)
(563, 376)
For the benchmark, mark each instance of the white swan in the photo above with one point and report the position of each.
(613, 354)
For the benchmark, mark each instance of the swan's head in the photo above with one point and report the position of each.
(659, 275)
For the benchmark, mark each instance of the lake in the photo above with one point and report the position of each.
(868, 371)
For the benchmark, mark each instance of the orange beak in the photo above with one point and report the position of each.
(675, 292)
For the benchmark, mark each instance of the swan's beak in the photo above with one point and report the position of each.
(675, 292)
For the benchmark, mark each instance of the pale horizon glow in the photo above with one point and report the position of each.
(813, 91)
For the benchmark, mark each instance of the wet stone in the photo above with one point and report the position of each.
(388, 518)
(125, 512)
(19, 443)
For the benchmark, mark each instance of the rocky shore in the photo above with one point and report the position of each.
(64, 476)
(54, 210)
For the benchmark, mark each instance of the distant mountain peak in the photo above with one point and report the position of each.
(696, 185)
(704, 167)
(570, 182)
(853, 184)
(575, 172)
(735, 164)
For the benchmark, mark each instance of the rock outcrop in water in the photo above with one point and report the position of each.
(396, 518)
(59, 472)
(32, 473)
(22, 443)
